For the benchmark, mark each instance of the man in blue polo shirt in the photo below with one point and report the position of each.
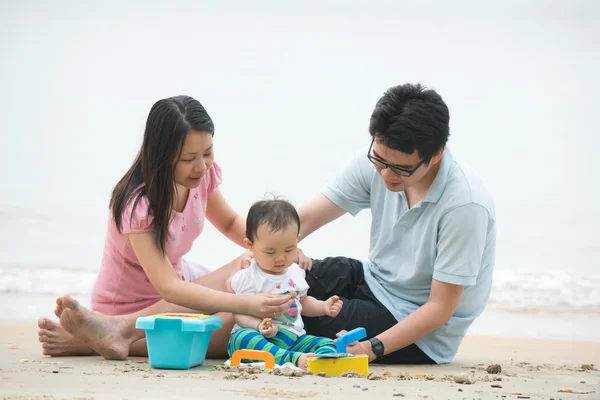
(433, 237)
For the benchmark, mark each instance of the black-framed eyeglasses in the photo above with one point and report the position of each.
(394, 168)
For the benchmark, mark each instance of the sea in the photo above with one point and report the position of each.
(290, 87)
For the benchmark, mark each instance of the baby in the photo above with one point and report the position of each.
(272, 229)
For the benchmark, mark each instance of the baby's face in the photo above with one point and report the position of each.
(274, 252)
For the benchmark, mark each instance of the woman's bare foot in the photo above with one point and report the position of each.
(109, 336)
(303, 360)
(59, 307)
(57, 342)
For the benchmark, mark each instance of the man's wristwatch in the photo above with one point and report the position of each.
(377, 347)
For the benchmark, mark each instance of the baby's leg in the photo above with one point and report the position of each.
(250, 339)
(309, 345)
(314, 344)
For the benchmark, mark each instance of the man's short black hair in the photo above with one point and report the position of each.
(411, 117)
(277, 214)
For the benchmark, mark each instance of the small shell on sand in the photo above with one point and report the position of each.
(374, 377)
(494, 369)
(23, 360)
(466, 379)
(350, 374)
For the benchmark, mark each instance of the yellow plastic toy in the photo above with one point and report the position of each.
(337, 364)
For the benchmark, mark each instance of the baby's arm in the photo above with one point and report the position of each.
(247, 321)
(264, 326)
(312, 307)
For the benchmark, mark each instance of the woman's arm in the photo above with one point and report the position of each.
(159, 270)
(225, 219)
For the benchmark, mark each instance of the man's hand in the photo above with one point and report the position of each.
(267, 328)
(304, 262)
(358, 348)
(332, 306)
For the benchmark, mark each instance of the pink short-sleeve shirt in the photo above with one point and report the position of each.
(122, 286)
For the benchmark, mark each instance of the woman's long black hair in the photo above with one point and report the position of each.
(152, 173)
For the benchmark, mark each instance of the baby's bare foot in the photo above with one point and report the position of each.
(57, 342)
(109, 336)
(303, 360)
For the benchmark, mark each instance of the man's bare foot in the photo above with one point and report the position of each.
(109, 336)
(57, 342)
(303, 360)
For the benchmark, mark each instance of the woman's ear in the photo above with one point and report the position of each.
(248, 244)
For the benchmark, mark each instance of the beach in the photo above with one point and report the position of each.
(291, 87)
(535, 368)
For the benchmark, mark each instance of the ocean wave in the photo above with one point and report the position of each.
(511, 289)
(46, 279)
(545, 289)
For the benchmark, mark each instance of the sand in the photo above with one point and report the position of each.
(536, 368)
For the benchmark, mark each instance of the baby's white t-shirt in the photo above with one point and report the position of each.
(253, 280)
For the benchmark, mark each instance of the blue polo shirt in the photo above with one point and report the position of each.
(449, 236)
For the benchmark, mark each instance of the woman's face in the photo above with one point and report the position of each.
(196, 158)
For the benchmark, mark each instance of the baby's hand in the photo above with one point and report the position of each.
(267, 328)
(332, 306)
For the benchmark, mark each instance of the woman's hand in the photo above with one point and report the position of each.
(304, 262)
(245, 259)
(240, 263)
(267, 305)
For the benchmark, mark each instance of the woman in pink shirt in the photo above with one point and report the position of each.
(157, 210)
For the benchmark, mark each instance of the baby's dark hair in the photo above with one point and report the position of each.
(277, 214)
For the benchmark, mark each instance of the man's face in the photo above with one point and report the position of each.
(401, 164)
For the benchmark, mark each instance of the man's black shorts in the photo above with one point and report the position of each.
(344, 277)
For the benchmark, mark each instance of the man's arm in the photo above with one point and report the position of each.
(461, 242)
(349, 191)
(442, 303)
(317, 212)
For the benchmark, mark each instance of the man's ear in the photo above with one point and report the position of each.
(437, 157)
(248, 244)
